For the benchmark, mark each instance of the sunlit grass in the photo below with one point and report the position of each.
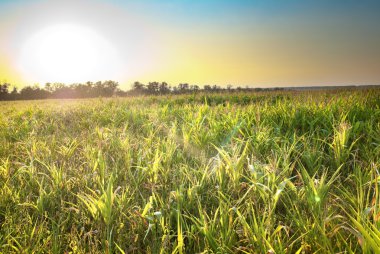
(278, 172)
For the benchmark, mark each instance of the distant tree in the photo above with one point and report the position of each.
(207, 88)
(109, 88)
(4, 88)
(89, 85)
(4, 91)
(33, 93)
(60, 90)
(153, 87)
(164, 88)
(48, 87)
(26, 93)
(57, 86)
(194, 88)
(183, 87)
(14, 94)
(79, 90)
(138, 86)
(89, 89)
(97, 88)
(216, 88)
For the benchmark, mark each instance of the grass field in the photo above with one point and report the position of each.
(276, 172)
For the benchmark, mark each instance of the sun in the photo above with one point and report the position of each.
(68, 53)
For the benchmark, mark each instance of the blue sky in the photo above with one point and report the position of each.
(256, 42)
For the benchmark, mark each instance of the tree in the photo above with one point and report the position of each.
(57, 86)
(164, 88)
(183, 87)
(48, 87)
(28, 93)
(194, 88)
(138, 86)
(14, 94)
(207, 88)
(152, 87)
(109, 88)
(215, 88)
(4, 91)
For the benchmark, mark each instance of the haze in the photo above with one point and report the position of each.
(243, 43)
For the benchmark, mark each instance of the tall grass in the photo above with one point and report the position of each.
(280, 172)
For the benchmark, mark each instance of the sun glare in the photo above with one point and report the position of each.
(68, 53)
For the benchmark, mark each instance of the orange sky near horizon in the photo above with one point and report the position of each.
(243, 43)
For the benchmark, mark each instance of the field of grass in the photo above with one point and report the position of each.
(276, 172)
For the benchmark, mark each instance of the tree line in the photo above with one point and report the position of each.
(107, 88)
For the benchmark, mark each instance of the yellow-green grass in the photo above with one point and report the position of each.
(283, 172)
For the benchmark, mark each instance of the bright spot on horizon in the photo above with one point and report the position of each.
(257, 43)
(68, 53)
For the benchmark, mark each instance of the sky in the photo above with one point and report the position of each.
(258, 43)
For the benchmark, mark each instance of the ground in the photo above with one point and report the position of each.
(283, 172)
